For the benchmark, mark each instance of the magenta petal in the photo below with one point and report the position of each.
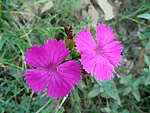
(103, 69)
(62, 81)
(85, 41)
(50, 54)
(113, 53)
(35, 57)
(104, 35)
(37, 79)
(57, 51)
(97, 65)
(88, 60)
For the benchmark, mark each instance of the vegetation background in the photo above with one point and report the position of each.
(24, 23)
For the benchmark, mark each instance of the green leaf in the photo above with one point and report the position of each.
(144, 42)
(126, 80)
(101, 89)
(109, 89)
(125, 111)
(146, 35)
(137, 82)
(147, 81)
(2, 41)
(100, 83)
(106, 110)
(110, 93)
(139, 35)
(148, 45)
(94, 92)
(147, 59)
(127, 91)
(145, 16)
(136, 94)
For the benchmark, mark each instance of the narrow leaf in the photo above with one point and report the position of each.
(136, 94)
(145, 16)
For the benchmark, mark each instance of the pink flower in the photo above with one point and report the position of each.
(98, 57)
(59, 77)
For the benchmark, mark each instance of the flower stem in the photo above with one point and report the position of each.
(43, 106)
(61, 103)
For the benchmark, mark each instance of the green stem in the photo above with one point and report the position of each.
(43, 106)
(61, 103)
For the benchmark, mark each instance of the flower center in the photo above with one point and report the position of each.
(54, 68)
(98, 50)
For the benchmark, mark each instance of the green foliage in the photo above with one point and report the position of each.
(145, 39)
(128, 93)
(146, 16)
